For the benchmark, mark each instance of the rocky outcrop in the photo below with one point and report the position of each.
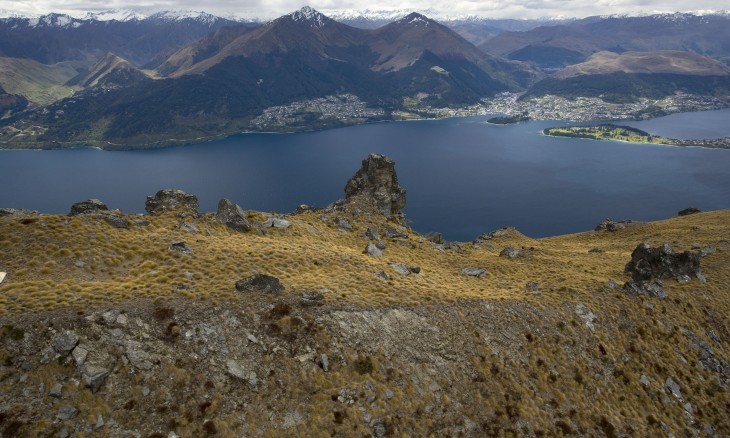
(88, 206)
(377, 183)
(232, 216)
(611, 225)
(649, 266)
(688, 211)
(260, 283)
(171, 199)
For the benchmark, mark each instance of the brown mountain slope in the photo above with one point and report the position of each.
(109, 68)
(665, 61)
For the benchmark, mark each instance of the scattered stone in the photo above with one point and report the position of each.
(238, 371)
(232, 216)
(324, 362)
(2, 276)
(389, 393)
(376, 182)
(114, 220)
(595, 250)
(145, 391)
(644, 380)
(66, 412)
(138, 357)
(260, 283)
(373, 250)
(648, 266)
(382, 275)
(611, 225)
(311, 298)
(343, 224)
(276, 222)
(688, 211)
(474, 272)
(56, 390)
(674, 388)
(400, 268)
(415, 269)
(394, 233)
(380, 430)
(533, 287)
(94, 376)
(171, 199)
(190, 228)
(372, 233)
(99, 422)
(64, 342)
(499, 232)
(512, 253)
(63, 433)
(302, 208)
(88, 206)
(586, 315)
(435, 237)
(180, 246)
(79, 354)
(122, 319)
(380, 245)
(704, 252)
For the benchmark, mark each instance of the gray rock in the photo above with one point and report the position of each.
(145, 391)
(190, 228)
(343, 223)
(2, 276)
(232, 216)
(380, 430)
(67, 412)
(79, 354)
(586, 315)
(394, 233)
(644, 380)
(180, 246)
(512, 253)
(401, 268)
(276, 222)
(373, 250)
(389, 393)
(114, 220)
(171, 199)
(302, 208)
(415, 269)
(99, 422)
(88, 206)
(688, 211)
(595, 250)
(674, 388)
(63, 433)
(533, 287)
(435, 237)
(648, 266)
(611, 225)
(474, 272)
(138, 357)
(94, 376)
(324, 362)
(372, 233)
(311, 298)
(18, 212)
(499, 232)
(383, 275)
(376, 182)
(380, 245)
(56, 390)
(260, 283)
(64, 342)
(239, 371)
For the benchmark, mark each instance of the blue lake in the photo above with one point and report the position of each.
(463, 176)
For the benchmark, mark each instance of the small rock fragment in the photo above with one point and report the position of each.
(66, 412)
(383, 275)
(373, 250)
(64, 342)
(401, 268)
(324, 362)
(56, 390)
(190, 228)
(474, 272)
(180, 246)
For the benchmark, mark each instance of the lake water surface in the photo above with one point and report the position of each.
(463, 176)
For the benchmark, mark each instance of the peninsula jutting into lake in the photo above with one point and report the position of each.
(631, 135)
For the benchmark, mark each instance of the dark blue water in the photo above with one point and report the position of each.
(463, 177)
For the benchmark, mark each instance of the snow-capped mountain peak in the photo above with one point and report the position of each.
(309, 15)
(115, 15)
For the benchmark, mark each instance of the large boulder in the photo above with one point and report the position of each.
(648, 266)
(88, 206)
(260, 283)
(171, 199)
(376, 183)
(232, 215)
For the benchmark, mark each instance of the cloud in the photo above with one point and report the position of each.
(441, 8)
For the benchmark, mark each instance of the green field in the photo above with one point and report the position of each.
(39, 83)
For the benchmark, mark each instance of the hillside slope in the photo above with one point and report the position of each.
(153, 325)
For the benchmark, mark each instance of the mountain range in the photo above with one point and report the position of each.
(126, 79)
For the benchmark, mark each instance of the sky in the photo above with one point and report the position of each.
(267, 9)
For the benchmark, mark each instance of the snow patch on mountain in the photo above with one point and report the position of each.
(310, 16)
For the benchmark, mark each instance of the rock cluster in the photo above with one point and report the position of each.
(88, 206)
(260, 283)
(649, 266)
(611, 225)
(171, 199)
(376, 182)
